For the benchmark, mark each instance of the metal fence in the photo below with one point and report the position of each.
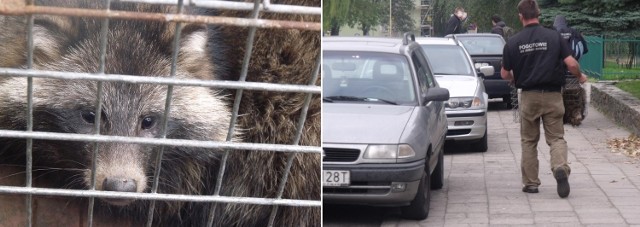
(612, 59)
(10, 8)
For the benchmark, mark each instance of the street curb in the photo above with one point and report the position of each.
(620, 106)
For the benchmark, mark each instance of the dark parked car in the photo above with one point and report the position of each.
(384, 124)
(485, 49)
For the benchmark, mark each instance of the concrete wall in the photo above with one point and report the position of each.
(617, 104)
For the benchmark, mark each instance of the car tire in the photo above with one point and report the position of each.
(418, 209)
(437, 177)
(482, 144)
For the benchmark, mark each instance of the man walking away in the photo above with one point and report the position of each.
(532, 60)
(573, 38)
(454, 26)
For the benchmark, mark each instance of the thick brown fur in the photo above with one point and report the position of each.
(574, 98)
(283, 56)
(144, 48)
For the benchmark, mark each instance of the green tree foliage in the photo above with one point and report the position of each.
(401, 19)
(480, 13)
(608, 18)
(442, 10)
(334, 14)
(366, 14)
(401, 16)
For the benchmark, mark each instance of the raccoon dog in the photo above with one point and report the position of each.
(138, 48)
(575, 103)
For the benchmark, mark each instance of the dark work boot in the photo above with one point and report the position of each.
(530, 189)
(563, 182)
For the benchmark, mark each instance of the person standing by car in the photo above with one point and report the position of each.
(532, 60)
(498, 25)
(454, 26)
(501, 28)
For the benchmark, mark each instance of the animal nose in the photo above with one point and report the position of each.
(119, 184)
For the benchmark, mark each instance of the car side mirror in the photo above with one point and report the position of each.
(437, 94)
(486, 71)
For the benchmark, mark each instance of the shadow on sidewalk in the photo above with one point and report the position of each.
(351, 215)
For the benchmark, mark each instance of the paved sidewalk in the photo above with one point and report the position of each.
(484, 189)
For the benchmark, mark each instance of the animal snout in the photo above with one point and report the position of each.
(119, 184)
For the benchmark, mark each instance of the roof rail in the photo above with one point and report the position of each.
(405, 39)
(454, 40)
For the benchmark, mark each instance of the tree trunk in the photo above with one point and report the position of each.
(632, 54)
(335, 29)
(365, 30)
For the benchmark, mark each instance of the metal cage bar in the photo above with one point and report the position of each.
(159, 141)
(29, 149)
(231, 21)
(265, 6)
(161, 80)
(158, 196)
(98, 114)
(167, 110)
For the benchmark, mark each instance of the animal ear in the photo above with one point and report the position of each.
(193, 56)
(193, 40)
(46, 46)
(49, 35)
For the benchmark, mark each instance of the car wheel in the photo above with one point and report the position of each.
(482, 144)
(437, 177)
(418, 209)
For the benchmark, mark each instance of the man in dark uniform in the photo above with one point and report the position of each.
(454, 26)
(532, 60)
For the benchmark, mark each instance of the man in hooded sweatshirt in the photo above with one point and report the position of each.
(498, 25)
(573, 38)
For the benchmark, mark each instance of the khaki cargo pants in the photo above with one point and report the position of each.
(548, 107)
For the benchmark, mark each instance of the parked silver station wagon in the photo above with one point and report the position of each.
(384, 124)
(467, 105)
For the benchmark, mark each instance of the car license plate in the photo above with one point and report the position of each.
(336, 178)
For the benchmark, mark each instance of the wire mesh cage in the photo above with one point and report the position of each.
(174, 136)
(575, 98)
(575, 101)
(515, 94)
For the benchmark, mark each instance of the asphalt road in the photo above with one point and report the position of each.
(483, 189)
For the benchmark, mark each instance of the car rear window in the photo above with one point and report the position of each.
(448, 60)
(478, 45)
(367, 75)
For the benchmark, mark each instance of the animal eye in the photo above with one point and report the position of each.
(89, 117)
(148, 122)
